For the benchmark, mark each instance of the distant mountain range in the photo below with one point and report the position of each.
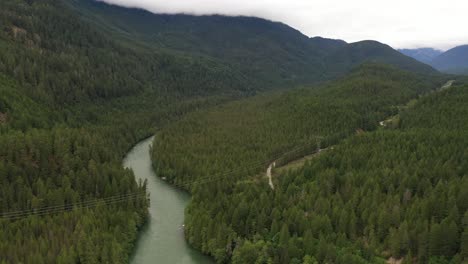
(452, 61)
(425, 55)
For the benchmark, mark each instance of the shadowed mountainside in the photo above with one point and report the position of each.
(270, 53)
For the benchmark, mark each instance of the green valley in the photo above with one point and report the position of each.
(81, 82)
(324, 211)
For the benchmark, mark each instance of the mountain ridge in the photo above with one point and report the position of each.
(79, 87)
(356, 53)
(425, 55)
(272, 52)
(454, 60)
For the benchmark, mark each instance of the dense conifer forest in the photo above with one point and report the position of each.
(265, 126)
(78, 89)
(72, 102)
(58, 58)
(397, 192)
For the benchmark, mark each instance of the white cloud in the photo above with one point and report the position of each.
(399, 23)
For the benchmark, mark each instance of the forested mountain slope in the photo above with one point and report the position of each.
(59, 58)
(45, 169)
(399, 193)
(356, 53)
(453, 61)
(75, 94)
(53, 161)
(271, 53)
(72, 101)
(268, 51)
(220, 152)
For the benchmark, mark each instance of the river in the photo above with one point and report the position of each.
(162, 239)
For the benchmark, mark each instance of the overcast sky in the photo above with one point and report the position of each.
(399, 23)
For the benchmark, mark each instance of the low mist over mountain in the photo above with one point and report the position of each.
(294, 149)
(425, 55)
(267, 52)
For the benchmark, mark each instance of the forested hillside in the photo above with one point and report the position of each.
(356, 53)
(56, 161)
(47, 170)
(72, 102)
(78, 88)
(218, 154)
(270, 54)
(280, 121)
(453, 60)
(399, 193)
(58, 58)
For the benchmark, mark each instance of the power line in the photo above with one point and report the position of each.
(61, 206)
(14, 215)
(71, 206)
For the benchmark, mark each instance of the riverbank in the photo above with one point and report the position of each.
(162, 239)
